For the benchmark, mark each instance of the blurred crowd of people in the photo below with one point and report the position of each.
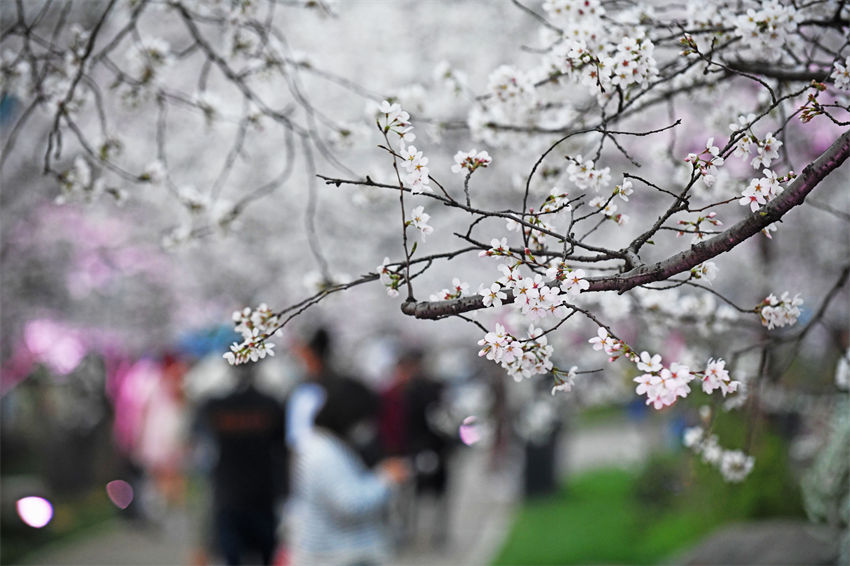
(330, 471)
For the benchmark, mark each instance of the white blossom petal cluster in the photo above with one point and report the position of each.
(470, 161)
(458, 290)
(521, 359)
(147, 59)
(512, 87)
(779, 312)
(392, 119)
(416, 166)
(734, 465)
(390, 278)
(706, 162)
(452, 79)
(841, 74)
(194, 201)
(633, 62)
(762, 190)
(624, 191)
(154, 173)
(715, 376)
(564, 381)
(255, 326)
(77, 184)
(580, 19)
(15, 74)
(609, 209)
(663, 386)
(745, 142)
(706, 271)
(584, 176)
(556, 202)
(768, 150)
(604, 341)
(572, 281)
(766, 31)
(419, 220)
(497, 248)
(536, 299)
(605, 67)
(210, 105)
(493, 295)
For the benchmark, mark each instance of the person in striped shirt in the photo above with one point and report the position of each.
(339, 505)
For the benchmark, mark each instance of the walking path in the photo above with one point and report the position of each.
(482, 504)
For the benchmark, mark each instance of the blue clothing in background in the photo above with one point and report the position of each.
(304, 402)
(337, 506)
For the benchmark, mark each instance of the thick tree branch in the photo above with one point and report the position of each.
(793, 196)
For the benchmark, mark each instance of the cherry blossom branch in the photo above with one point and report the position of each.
(793, 196)
(506, 214)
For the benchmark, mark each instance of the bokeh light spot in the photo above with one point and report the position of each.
(469, 433)
(120, 493)
(35, 511)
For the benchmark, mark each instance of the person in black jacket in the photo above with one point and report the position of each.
(249, 475)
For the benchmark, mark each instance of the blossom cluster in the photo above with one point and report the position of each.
(779, 312)
(584, 176)
(572, 281)
(580, 19)
(605, 68)
(734, 465)
(77, 184)
(841, 74)
(534, 298)
(532, 295)
(415, 164)
(511, 87)
(609, 344)
(520, 358)
(391, 118)
(706, 271)
(497, 248)
(609, 209)
(453, 79)
(564, 381)
(762, 190)
(390, 278)
(255, 326)
(147, 59)
(457, 291)
(706, 162)
(765, 32)
(663, 386)
(470, 160)
(624, 190)
(419, 220)
(767, 148)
